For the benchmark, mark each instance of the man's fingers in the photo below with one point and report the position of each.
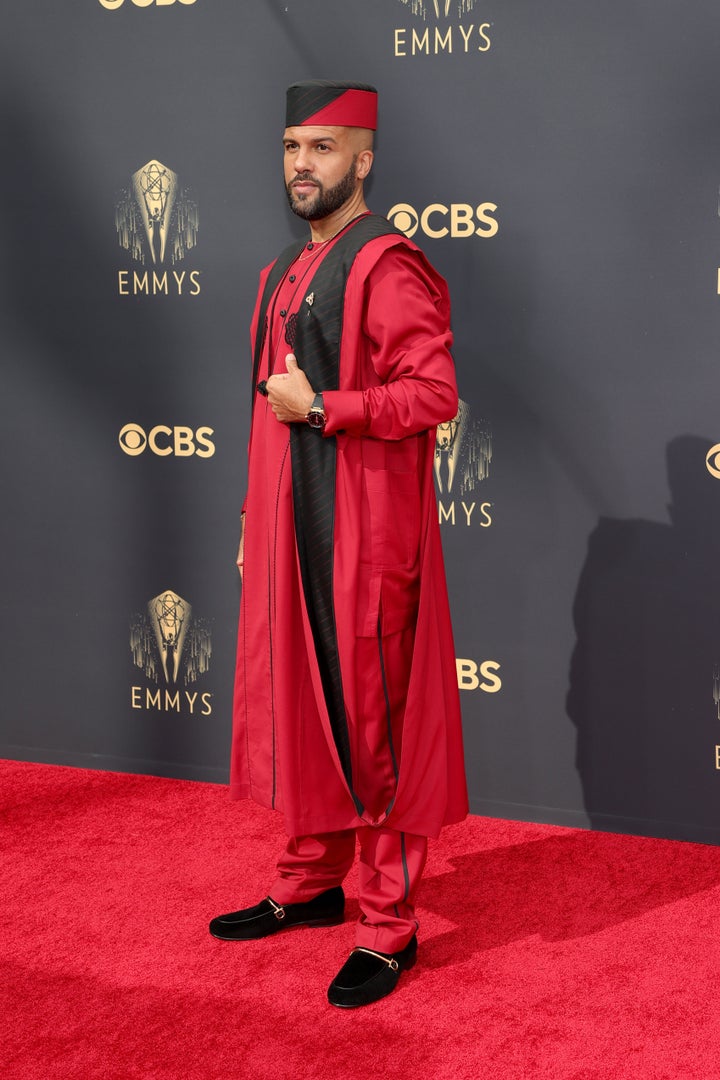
(290, 362)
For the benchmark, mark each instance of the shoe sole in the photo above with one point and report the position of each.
(333, 920)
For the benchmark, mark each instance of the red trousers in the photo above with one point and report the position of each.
(391, 862)
(391, 865)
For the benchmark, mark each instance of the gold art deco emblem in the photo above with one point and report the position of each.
(169, 616)
(463, 452)
(155, 218)
(167, 639)
(439, 7)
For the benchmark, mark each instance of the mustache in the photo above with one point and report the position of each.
(304, 178)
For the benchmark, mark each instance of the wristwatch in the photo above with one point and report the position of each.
(316, 417)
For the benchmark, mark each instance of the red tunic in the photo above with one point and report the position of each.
(397, 658)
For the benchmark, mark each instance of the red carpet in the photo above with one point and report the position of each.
(544, 952)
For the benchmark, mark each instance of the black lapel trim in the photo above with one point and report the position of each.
(280, 267)
(317, 348)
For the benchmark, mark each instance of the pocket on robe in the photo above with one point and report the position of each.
(392, 529)
(389, 570)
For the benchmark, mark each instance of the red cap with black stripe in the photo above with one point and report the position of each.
(339, 104)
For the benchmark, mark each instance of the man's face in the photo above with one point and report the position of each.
(320, 170)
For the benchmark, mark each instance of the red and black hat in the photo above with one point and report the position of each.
(341, 104)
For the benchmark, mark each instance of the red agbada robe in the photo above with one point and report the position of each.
(397, 382)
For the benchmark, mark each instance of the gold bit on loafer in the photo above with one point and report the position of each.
(278, 911)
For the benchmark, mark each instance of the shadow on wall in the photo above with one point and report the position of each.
(647, 620)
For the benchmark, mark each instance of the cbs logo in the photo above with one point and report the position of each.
(712, 461)
(437, 220)
(473, 676)
(164, 441)
(112, 5)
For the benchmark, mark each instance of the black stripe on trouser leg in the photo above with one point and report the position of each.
(406, 874)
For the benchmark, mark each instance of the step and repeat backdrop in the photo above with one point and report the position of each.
(559, 163)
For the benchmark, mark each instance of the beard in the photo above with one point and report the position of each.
(325, 201)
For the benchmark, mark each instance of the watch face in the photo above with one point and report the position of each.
(316, 419)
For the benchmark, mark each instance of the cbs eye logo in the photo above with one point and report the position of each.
(165, 441)
(437, 220)
(712, 461)
(113, 5)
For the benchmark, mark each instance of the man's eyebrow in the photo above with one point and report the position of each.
(318, 139)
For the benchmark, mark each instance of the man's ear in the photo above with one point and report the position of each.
(363, 164)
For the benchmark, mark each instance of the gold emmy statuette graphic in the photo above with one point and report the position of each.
(441, 8)
(155, 188)
(167, 640)
(156, 220)
(463, 452)
(170, 615)
(444, 456)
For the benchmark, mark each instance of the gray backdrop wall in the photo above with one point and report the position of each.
(559, 164)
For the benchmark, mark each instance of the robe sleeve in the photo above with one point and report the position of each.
(407, 329)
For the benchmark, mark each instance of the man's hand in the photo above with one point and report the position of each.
(290, 395)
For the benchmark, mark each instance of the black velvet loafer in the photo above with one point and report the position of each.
(267, 917)
(367, 976)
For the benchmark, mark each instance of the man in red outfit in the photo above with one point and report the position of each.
(346, 712)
